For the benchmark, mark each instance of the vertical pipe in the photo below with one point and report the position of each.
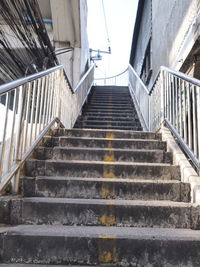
(37, 107)
(184, 113)
(194, 111)
(7, 104)
(11, 149)
(189, 116)
(32, 110)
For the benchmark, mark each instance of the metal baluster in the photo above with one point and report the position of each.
(176, 102)
(46, 94)
(18, 137)
(180, 108)
(27, 117)
(3, 146)
(11, 149)
(32, 110)
(194, 111)
(189, 117)
(42, 102)
(37, 107)
(198, 119)
(184, 113)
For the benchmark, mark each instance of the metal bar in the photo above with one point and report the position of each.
(189, 117)
(198, 119)
(11, 149)
(184, 114)
(41, 102)
(28, 109)
(194, 112)
(184, 146)
(7, 177)
(12, 85)
(48, 98)
(32, 110)
(45, 100)
(181, 109)
(37, 106)
(7, 103)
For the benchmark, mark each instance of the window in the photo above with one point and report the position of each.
(147, 67)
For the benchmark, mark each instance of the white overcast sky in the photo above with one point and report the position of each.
(120, 15)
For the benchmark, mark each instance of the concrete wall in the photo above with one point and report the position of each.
(174, 31)
(144, 35)
(69, 30)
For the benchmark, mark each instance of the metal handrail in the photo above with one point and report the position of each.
(11, 85)
(29, 108)
(119, 74)
(119, 79)
(173, 98)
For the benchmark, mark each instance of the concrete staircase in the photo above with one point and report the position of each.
(101, 197)
(109, 108)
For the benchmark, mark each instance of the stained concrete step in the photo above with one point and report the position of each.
(112, 115)
(106, 188)
(101, 245)
(101, 212)
(108, 100)
(102, 110)
(107, 127)
(110, 107)
(108, 142)
(36, 265)
(102, 169)
(110, 123)
(99, 154)
(85, 117)
(110, 134)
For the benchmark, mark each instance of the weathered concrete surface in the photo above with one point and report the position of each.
(106, 133)
(103, 212)
(87, 178)
(104, 169)
(102, 245)
(100, 154)
(107, 188)
(104, 142)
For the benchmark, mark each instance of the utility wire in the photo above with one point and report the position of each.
(106, 26)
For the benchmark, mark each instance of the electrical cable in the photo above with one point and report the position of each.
(106, 25)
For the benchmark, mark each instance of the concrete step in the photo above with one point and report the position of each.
(104, 169)
(106, 188)
(110, 104)
(106, 127)
(83, 123)
(107, 107)
(110, 99)
(85, 117)
(106, 134)
(108, 142)
(99, 154)
(102, 110)
(114, 246)
(94, 212)
(112, 116)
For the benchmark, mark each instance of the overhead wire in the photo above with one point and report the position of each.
(106, 25)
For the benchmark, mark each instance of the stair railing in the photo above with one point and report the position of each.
(120, 79)
(174, 98)
(29, 107)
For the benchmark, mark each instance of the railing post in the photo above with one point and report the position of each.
(17, 159)
(162, 94)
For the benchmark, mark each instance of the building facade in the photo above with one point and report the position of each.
(53, 29)
(167, 34)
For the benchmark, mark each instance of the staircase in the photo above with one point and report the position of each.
(101, 194)
(109, 107)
